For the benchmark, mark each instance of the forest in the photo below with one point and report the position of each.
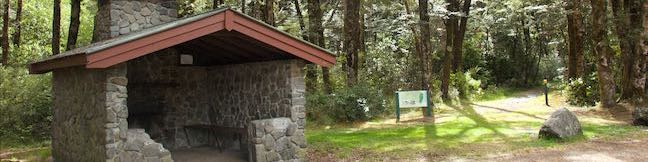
(592, 55)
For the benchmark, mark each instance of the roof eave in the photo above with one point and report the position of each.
(146, 42)
(57, 63)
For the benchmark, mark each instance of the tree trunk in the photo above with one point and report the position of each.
(16, 36)
(352, 39)
(426, 47)
(451, 25)
(629, 27)
(74, 25)
(643, 43)
(457, 48)
(636, 12)
(417, 46)
(268, 12)
(5, 33)
(459, 36)
(311, 69)
(56, 28)
(316, 36)
(576, 59)
(622, 21)
(604, 53)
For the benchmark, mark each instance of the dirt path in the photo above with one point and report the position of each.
(593, 151)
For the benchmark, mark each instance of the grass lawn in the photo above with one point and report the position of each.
(468, 129)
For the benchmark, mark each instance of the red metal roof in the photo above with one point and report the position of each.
(213, 24)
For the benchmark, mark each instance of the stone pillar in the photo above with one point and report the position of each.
(120, 17)
(274, 139)
(282, 139)
(116, 110)
(298, 105)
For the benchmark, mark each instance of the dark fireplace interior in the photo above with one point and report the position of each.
(173, 105)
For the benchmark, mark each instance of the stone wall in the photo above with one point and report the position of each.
(78, 126)
(164, 97)
(277, 139)
(140, 147)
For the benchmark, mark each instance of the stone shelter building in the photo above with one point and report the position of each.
(219, 86)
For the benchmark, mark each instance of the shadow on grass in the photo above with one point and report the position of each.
(505, 110)
(467, 110)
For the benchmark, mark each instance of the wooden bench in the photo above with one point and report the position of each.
(217, 132)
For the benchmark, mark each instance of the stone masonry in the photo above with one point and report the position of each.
(140, 147)
(277, 139)
(79, 115)
(97, 111)
(128, 16)
(227, 96)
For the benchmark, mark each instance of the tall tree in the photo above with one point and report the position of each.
(426, 46)
(603, 52)
(73, 32)
(5, 33)
(316, 36)
(416, 38)
(311, 69)
(352, 39)
(425, 43)
(457, 45)
(576, 59)
(628, 20)
(268, 12)
(451, 26)
(459, 36)
(621, 21)
(16, 36)
(56, 28)
(636, 10)
(643, 43)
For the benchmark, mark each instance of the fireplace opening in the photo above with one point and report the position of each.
(176, 106)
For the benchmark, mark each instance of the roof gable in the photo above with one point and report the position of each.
(121, 49)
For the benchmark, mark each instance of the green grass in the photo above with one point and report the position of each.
(466, 133)
(498, 93)
(32, 154)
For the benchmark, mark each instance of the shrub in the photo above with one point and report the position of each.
(24, 106)
(358, 103)
(583, 91)
(465, 84)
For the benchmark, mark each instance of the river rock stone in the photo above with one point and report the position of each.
(562, 124)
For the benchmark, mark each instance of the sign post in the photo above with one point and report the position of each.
(412, 99)
(546, 91)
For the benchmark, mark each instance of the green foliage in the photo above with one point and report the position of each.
(25, 100)
(359, 103)
(25, 103)
(583, 91)
(464, 85)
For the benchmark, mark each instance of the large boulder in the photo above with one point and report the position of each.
(640, 115)
(562, 124)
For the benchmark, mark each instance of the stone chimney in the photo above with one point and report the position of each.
(120, 17)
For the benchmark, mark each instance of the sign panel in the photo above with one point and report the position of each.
(412, 99)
